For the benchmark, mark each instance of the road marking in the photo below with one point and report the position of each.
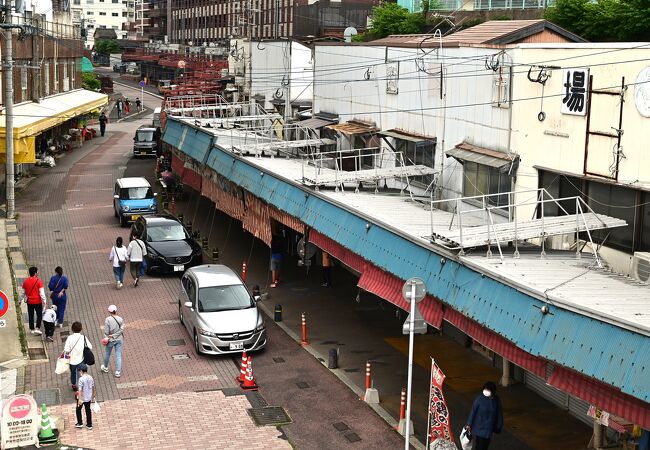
(89, 190)
(203, 378)
(169, 322)
(100, 283)
(89, 206)
(101, 250)
(88, 174)
(132, 384)
(85, 227)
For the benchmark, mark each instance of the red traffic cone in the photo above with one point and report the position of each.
(249, 381)
(242, 372)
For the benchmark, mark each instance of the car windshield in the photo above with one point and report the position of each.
(224, 298)
(144, 135)
(172, 232)
(136, 193)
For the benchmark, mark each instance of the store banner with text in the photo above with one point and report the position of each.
(439, 421)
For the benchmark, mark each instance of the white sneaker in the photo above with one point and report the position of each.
(31, 331)
(104, 369)
(38, 332)
(118, 374)
(120, 285)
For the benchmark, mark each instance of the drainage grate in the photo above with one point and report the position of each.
(341, 426)
(180, 356)
(36, 353)
(278, 360)
(175, 342)
(58, 240)
(352, 437)
(270, 415)
(359, 352)
(377, 363)
(231, 392)
(351, 370)
(173, 302)
(256, 400)
(64, 333)
(20, 266)
(302, 384)
(50, 397)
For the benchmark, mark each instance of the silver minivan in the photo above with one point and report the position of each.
(219, 312)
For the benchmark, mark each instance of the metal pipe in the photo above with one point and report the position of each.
(409, 385)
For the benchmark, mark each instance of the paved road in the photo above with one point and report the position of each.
(66, 219)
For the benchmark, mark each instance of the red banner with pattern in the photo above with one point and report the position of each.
(439, 420)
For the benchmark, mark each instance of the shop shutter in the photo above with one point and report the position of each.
(578, 408)
(538, 384)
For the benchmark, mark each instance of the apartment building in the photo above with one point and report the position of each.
(95, 14)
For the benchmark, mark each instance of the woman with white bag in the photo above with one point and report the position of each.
(74, 347)
(486, 417)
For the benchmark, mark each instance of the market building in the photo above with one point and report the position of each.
(495, 171)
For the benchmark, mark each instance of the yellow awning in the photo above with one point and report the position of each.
(24, 150)
(33, 118)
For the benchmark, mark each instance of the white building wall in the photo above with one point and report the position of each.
(464, 112)
(280, 65)
(100, 14)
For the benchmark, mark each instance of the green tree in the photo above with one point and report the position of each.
(390, 18)
(605, 20)
(89, 81)
(107, 46)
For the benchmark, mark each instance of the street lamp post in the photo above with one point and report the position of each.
(414, 291)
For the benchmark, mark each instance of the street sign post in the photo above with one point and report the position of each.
(4, 307)
(142, 94)
(19, 422)
(414, 291)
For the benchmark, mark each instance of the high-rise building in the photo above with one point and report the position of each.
(96, 14)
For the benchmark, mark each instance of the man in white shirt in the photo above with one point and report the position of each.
(137, 251)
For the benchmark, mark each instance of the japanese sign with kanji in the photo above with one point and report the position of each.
(19, 422)
(575, 90)
(439, 424)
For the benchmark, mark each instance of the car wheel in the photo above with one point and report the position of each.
(115, 212)
(123, 222)
(197, 347)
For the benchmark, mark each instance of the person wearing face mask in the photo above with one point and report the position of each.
(486, 417)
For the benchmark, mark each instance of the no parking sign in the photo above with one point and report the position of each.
(4, 307)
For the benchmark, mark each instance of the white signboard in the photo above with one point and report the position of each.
(642, 92)
(392, 78)
(575, 91)
(19, 422)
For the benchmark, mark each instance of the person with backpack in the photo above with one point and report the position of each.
(114, 338)
(137, 251)
(118, 256)
(75, 346)
(34, 295)
(58, 287)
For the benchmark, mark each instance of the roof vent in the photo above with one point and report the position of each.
(348, 33)
(641, 266)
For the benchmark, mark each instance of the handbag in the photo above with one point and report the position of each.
(62, 364)
(96, 407)
(56, 286)
(119, 261)
(89, 356)
(466, 439)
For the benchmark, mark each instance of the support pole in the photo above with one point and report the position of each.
(506, 376)
(410, 371)
(9, 111)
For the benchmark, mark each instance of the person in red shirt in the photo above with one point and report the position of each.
(34, 295)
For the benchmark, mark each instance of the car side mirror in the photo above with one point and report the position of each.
(188, 304)
(116, 196)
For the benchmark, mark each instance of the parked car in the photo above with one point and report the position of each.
(145, 141)
(170, 248)
(133, 198)
(219, 312)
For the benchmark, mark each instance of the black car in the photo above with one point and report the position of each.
(170, 248)
(145, 141)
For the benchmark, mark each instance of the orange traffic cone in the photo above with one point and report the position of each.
(242, 372)
(249, 381)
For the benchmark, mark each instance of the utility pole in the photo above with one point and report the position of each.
(8, 68)
(287, 87)
(142, 17)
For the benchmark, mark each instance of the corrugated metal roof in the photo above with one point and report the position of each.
(497, 32)
(354, 127)
(599, 328)
(480, 155)
(406, 136)
(315, 123)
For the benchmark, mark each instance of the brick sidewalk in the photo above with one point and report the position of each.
(66, 219)
(186, 420)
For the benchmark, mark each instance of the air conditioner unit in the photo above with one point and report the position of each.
(641, 266)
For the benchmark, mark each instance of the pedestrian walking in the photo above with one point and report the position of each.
(118, 256)
(49, 322)
(136, 251)
(277, 251)
(85, 395)
(327, 269)
(103, 120)
(74, 347)
(34, 295)
(127, 105)
(486, 417)
(120, 107)
(114, 332)
(138, 104)
(58, 287)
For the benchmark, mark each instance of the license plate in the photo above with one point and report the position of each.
(134, 217)
(236, 346)
(143, 153)
(179, 268)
